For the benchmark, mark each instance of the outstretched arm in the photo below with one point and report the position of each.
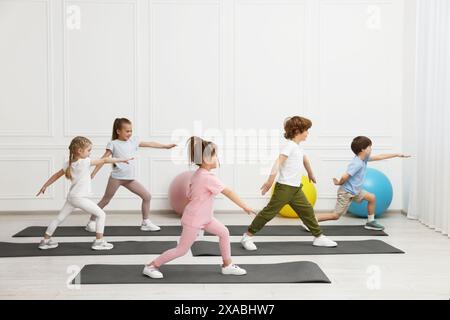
(230, 194)
(102, 161)
(107, 154)
(341, 181)
(276, 166)
(308, 168)
(157, 145)
(387, 156)
(50, 181)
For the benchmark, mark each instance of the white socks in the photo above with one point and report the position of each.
(370, 218)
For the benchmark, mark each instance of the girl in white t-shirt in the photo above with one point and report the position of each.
(77, 170)
(124, 145)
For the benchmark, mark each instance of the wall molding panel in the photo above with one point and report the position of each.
(183, 67)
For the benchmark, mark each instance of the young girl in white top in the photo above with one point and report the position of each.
(123, 145)
(77, 169)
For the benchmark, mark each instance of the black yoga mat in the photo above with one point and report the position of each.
(297, 230)
(235, 230)
(290, 272)
(8, 249)
(110, 231)
(208, 248)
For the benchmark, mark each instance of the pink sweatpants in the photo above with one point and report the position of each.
(188, 237)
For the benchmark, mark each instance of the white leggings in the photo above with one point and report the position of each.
(84, 204)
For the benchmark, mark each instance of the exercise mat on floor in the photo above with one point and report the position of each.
(235, 230)
(110, 231)
(9, 249)
(297, 230)
(280, 248)
(290, 272)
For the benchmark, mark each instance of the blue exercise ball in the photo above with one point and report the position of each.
(377, 183)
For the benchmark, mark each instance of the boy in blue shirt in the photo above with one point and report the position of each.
(351, 183)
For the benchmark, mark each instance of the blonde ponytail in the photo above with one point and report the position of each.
(76, 144)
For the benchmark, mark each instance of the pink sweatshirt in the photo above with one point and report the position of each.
(203, 188)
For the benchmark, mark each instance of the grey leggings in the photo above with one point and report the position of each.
(132, 185)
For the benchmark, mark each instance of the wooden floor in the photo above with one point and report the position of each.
(422, 273)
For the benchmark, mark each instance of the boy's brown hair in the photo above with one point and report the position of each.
(295, 125)
(360, 143)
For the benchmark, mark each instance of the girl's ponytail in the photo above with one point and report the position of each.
(117, 125)
(68, 172)
(76, 144)
(200, 150)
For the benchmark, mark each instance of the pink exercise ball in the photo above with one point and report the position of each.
(178, 191)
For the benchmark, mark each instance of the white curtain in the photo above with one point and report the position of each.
(429, 191)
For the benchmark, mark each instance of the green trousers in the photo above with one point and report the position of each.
(282, 195)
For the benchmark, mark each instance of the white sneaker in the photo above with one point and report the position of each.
(102, 245)
(47, 244)
(152, 272)
(234, 270)
(91, 226)
(147, 225)
(247, 243)
(322, 241)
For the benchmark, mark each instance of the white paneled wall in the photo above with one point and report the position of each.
(70, 67)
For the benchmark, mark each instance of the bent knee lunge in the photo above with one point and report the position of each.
(180, 251)
(146, 197)
(224, 233)
(370, 197)
(104, 201)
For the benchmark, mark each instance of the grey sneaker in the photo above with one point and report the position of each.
(101, 245)
(91, 226)
(48, 244)
(373, 225)
(147, 225)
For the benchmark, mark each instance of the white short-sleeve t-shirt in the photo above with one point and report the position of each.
(81, 177)
(124, 149)
(292, 169)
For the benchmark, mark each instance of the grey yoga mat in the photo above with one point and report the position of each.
(110, 231)
(297, 230)
(8, 249)
(235, 230)
(290, 272)
(208, 248)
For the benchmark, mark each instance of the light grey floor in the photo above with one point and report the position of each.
(422, 273)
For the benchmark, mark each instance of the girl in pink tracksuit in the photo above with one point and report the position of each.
(198, 214)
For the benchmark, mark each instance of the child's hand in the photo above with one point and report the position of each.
(266, 187)
(126, 160)
(170, 146)
(41, 191)
(312, 178)
(336, 182)
(249, 210)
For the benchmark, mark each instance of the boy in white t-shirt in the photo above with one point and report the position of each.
(288, 188)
